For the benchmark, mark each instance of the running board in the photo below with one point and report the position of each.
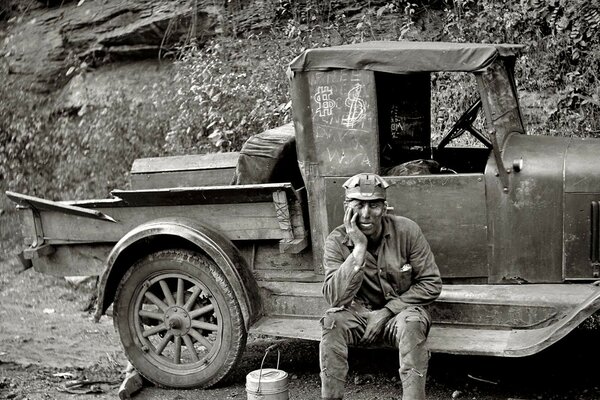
(441, 339)
(457, 339)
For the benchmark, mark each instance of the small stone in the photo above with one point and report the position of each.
(456, 394)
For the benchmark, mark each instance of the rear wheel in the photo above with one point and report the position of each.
(178, 319)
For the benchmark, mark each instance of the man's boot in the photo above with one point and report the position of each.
(414, 359)
(413, 384)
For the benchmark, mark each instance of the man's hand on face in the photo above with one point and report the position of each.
(375, 323)
(355, 234)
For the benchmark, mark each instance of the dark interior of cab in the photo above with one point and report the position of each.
(404, 123)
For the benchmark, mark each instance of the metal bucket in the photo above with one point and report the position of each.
(267, 383)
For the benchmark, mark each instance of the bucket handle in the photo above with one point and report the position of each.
(271, 347)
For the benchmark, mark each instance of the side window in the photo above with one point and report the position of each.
(452, 94)
(403, 107)
(430, 124)
(459, 141)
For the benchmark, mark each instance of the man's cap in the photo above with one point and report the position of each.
(365, 186)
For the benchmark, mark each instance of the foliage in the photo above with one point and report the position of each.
(224, 95)
(562, 59)
(78, 155)
(14, 8)
(228, 88)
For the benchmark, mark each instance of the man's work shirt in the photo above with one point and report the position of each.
(403, 272)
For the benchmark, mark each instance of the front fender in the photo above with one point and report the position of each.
(180, 232)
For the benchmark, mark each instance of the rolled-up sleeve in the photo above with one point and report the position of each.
(342, 279)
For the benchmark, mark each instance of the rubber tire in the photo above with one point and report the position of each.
(206, 271)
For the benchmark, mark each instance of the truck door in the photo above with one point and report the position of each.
(451, 211)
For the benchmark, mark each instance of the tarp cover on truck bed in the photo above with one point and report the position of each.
(269, 157)
(402, 57)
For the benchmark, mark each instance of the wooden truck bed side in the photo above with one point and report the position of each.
(243, 212)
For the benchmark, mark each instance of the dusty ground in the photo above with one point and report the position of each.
(47, 341)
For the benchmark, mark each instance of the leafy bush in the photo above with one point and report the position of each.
(562, 58)
(15, 8)
(226, 93)
(75, 156)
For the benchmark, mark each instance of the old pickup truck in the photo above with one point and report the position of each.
(204, 249)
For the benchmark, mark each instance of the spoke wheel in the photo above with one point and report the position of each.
(178, 319)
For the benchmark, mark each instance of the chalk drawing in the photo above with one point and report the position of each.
(396, 126)
(357, 107)
(325, 104)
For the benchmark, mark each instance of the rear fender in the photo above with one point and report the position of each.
(180, 233)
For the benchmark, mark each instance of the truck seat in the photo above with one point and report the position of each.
(418, 167)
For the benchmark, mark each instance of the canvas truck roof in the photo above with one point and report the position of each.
(404, 57)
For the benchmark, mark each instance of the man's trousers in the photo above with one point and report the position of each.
(407, 331)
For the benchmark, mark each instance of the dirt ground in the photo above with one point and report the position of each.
(48, 342)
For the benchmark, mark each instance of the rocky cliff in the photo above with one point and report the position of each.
(76, 51)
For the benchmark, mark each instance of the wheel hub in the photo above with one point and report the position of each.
(178, 320)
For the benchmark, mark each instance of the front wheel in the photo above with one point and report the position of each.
(179, 321)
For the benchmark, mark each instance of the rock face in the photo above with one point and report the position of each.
(51, 43)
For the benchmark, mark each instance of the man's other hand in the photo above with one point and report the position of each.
(375, 323)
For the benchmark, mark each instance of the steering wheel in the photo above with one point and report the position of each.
(465, 124)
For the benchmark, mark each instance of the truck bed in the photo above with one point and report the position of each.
(241, 212)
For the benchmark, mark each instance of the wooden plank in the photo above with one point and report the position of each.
(296, 289)
(303, 328)
(192, 162)
(95, 203)
(536, 295)
(287, 275)
(441, 339)
(468, 341)
(500, 307)
(214, 177)
(203, 194)
(244, 221)
(43, 204)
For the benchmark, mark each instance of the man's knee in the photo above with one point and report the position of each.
(411, 328)
(335, 319)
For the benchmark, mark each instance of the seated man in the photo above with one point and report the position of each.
(379, 275)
